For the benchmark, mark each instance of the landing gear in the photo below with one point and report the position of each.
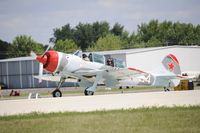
(57, 93)
(88, 93)
(90, 90)
(166, 89)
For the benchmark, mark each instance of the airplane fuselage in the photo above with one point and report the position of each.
(69, 63)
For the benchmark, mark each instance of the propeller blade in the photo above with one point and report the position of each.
(40, 72)
(46, 50)
(33, 54)
(49, 46)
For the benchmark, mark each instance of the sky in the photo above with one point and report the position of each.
(38, 18)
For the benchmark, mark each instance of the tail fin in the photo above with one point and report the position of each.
(167, 74)
(171, 64)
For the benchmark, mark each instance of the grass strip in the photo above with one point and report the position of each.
(143, 120)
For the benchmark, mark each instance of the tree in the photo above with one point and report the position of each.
(100, 29)
(84, 35)
(153, 33)
(65, 32)
(22, 46)
(66, 46)
(109, 42)
(117, 29)
(197, 35)
(187, 35)
(135, 41)
(4, 47)
(153, 42)
(147, 31)
(125, 40)
(166, 33)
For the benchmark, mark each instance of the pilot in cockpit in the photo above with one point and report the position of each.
(85, 57)
(110, 62)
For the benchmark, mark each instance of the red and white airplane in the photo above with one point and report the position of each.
(112, 73)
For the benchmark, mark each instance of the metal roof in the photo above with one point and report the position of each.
(140, 50)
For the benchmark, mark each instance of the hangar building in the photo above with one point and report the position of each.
(148, 59)
(18, 72)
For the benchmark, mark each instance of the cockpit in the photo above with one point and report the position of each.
(106, 60)
(98, 58)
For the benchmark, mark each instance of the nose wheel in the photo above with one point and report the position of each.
(57, 93)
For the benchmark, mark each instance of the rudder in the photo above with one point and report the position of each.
(171, 64)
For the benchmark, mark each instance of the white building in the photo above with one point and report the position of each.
(148, 59)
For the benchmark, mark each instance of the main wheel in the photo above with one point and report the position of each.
(166, 89)
(57, 93)
(88, 93)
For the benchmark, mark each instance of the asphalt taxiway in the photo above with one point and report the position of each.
(100, 102)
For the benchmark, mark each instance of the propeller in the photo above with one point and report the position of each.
(33, 54)
(43, 58)
(41, 64)
(51, 45)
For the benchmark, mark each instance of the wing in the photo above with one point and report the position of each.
(107, 71)
(110, 75)
(125, 73)
(56, 78)
(113, 76)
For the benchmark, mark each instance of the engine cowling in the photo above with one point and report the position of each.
(49, 60)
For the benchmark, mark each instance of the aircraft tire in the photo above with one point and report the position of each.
(88, 93)
(166, 89)
(57, 93)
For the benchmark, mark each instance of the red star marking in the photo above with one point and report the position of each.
(171, 66)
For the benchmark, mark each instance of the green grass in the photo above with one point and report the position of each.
(144, 120)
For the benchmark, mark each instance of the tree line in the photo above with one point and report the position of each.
(99, 36)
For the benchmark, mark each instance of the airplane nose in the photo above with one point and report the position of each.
(42, 59)
(49, 60)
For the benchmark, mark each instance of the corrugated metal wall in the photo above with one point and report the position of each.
(19, 74)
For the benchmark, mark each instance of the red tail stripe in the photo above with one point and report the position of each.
(173, 58)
